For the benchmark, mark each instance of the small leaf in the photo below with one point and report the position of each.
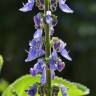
(23, 83)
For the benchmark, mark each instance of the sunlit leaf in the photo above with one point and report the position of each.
(20, 85)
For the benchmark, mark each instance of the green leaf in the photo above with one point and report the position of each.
(1, 62)
(23, 83)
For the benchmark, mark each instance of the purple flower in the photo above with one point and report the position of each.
(37, 20)
(63, 90)
(33, 71)
(32, 91)
(59, 46)
(48, 17)
(38, 67)
(56, 46)
(38, 33)
(52, 64)
(63, 51)
(60, 65)
(64, 7)
(28, 6)
(43, 77)
(35, 49)
(53, 60)
(65, 54)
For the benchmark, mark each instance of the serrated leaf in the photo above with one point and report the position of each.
(23, 83)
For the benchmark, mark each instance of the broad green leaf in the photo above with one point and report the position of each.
(1, 62)
(23, 83)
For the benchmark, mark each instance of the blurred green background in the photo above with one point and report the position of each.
(78, 30)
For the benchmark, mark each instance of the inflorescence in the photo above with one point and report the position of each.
(37, 46)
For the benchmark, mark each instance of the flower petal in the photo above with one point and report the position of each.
(54, 55)
(60, 65)
(37, 20)
(43, 77)
(52, 65)
(36, 43)
(39, 65)
(38, 33)
(65, 54)
(64, 7)
(62, 1)
(48, 19)
(28, 6)
(53, 60)
(40, 52)
(63, 90)
(32, 91)
(33, 71)
(32, 54)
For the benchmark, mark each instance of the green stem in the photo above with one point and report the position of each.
(48, 52)
(47, 49)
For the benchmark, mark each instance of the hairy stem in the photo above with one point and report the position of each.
(47, 49)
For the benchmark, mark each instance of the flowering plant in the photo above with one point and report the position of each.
(45, 48)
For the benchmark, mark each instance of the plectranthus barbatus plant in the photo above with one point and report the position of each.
(45, 47)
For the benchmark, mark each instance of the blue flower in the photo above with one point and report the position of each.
(28, 6)
(48, 17)
(43, 77)
(32, 91)
(63, 51)
(38, 33)
(37, 20)
(59, 46)
(60, 65)
(64, 7)
(63, 90)
(55, 64)
(53, 60)
(33, 71)
(35, 49)
(38, 67)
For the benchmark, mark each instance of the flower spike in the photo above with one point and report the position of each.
(50, 47)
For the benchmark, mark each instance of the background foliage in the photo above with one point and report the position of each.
(78, 30)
